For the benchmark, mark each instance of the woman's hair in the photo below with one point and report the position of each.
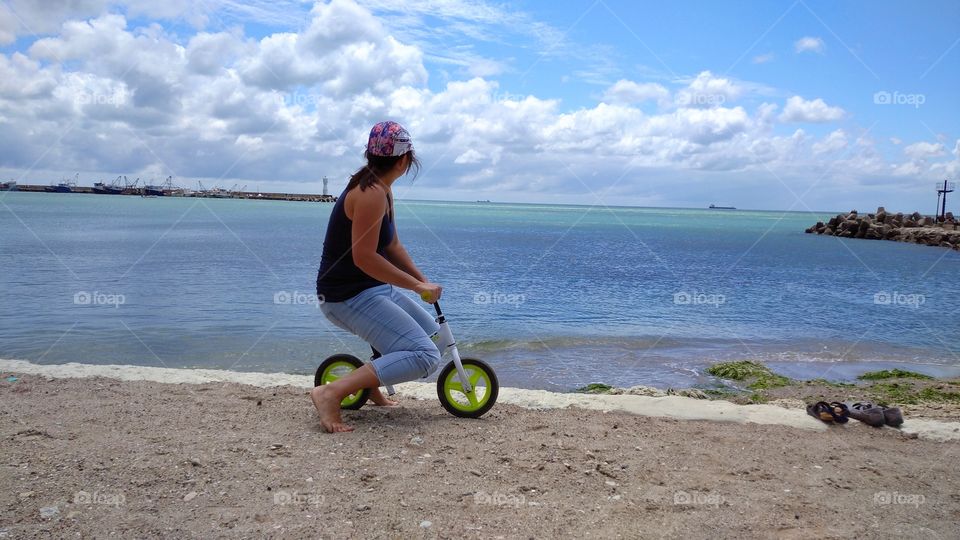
(378, 166)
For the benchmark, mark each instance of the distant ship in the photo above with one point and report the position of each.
(63, 187)
(113, 188)
(8, 186)
(152, 191)
(715, 207)
(216, 193)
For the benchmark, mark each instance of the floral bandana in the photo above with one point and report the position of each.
(389, 139)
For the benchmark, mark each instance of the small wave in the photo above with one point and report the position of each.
(569, 342)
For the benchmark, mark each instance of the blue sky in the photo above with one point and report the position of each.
(759, 104)
(868, 47)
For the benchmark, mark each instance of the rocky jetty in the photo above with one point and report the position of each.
(882, 225)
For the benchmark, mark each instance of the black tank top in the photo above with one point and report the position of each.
(338, 279)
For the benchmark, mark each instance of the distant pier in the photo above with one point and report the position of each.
(180, 192)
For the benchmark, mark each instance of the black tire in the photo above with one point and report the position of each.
(493, 388)
(357, 364)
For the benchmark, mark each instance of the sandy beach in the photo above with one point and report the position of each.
(97, 457)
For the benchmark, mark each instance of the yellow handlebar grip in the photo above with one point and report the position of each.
(425, 296)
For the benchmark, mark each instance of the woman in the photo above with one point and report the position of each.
(362, 266)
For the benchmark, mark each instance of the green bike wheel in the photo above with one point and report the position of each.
(336, 367)
(468, 405)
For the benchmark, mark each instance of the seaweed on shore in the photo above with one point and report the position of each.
(892, 374)
(760, 377)
(594, 388)
(906, 393)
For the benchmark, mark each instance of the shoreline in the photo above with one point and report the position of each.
(785, 412)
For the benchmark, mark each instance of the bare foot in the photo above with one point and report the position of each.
(377, 397)
(328, 407)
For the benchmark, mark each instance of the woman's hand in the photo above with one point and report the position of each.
(429, 292)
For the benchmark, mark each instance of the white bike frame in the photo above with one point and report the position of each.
(445, 343)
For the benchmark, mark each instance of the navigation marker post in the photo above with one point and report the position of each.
(942, 190)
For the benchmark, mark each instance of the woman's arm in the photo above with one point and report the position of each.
(397, 254)
(368, 209)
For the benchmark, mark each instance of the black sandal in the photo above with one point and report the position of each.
(867, 413)
(822, 411)
(841, 414)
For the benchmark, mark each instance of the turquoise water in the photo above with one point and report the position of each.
(553, 296)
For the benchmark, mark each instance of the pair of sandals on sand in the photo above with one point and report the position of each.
(868, 413)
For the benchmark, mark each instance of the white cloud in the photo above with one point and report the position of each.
(207, 54)
(798, 109)
(469, 157)
(833, 142)
(626, 92)
(707, 90)
(763, 58)
(344, 49)
(29, 17)
(8, 26)
(809, 44)
(468, 22)
(766, 114)
(947, 169)
(923, 149)
(21, 77)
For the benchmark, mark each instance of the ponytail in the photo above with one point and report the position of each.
(378, 166)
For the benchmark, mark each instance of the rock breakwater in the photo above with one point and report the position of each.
(882, 225)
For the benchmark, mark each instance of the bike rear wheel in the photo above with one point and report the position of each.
(339, 366)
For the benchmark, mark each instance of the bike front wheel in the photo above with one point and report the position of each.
(479, 400)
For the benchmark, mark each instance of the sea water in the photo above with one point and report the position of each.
(553, 296)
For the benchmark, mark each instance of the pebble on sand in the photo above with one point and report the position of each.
(49, 511)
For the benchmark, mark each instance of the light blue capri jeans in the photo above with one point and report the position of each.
(393, 324)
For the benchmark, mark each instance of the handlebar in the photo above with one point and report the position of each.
(425, 296)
